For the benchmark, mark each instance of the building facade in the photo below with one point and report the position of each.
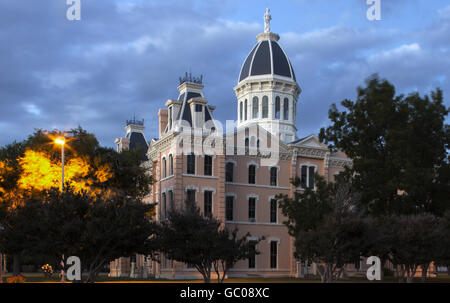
(234, 173)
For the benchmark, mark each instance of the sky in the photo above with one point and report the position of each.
(124, 57)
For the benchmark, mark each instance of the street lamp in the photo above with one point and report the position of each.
(61, 141)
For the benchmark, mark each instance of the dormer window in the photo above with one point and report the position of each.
(198, 108)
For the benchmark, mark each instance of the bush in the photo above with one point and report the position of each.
(16, 279)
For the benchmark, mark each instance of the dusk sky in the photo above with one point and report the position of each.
(124, 57)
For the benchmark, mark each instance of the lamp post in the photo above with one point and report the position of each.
(61, 141)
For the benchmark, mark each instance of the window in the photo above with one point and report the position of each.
(245, 109)
(191, 164)
(208, 165)
(286, 109)
(311, 177)
(190, 195)
(207, 210)
(170, 165)
(277, 107)
(252, 174)
(273, 211)
(307, 176)
(255, 108)
(229, 208)
(265, 107)
(164, 168)
(273, 254)
(229, 172)
(240, 111)
(163, 206)
(198, 108)
(252, 258)
(171, 202)
(252, 209)
(273, 176)
(303, 177)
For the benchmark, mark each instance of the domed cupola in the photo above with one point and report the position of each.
(267, 90)
(267, 58)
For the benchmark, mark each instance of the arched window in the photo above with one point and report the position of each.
(255, 108)
(247, 142)
(286, 109)
(229, 172)
(164, 168)
(252, 174)
(240, 111)
(265, 107)
(170, 165)
(273, 176)
(245, 109)
(277, 107)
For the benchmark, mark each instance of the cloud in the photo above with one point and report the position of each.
(125, 57)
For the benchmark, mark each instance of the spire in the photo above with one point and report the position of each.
(267, 18)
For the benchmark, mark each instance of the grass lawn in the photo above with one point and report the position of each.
(103, 278)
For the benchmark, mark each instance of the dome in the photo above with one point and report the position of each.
(267, 58)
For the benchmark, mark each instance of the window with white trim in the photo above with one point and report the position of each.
(252, 209)
(229, 168)
(273, 211)
(273, 254)
(207, 209)
(307, 176)
(229, 208)
(252, 174)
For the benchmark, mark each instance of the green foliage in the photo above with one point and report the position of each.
(97, 229)
(326, 225)
(397, 143)
(189, 237)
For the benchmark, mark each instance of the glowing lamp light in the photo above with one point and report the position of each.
(60, 141)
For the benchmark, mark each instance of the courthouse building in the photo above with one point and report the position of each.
(233, 173)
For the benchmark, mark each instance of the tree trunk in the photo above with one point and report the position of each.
(424, 272)
(16, 265)
(383, 264)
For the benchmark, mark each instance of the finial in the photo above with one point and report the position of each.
(267, 18)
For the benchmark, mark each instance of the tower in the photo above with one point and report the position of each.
(267, 91)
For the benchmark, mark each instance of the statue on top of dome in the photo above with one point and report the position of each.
(267, 18)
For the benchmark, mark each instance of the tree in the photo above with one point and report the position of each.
(326, 225)
(415, 243)
(443, 242)
(230, 249)
(33, 167)
(398, 146)
(189, 237)
(96, 229)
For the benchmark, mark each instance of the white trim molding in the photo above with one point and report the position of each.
(231, 194)
(231, 161)
(252, 163)
(207, 188)
(191, 187)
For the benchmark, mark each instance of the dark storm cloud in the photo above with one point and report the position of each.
(120, 59)
(125, 58)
